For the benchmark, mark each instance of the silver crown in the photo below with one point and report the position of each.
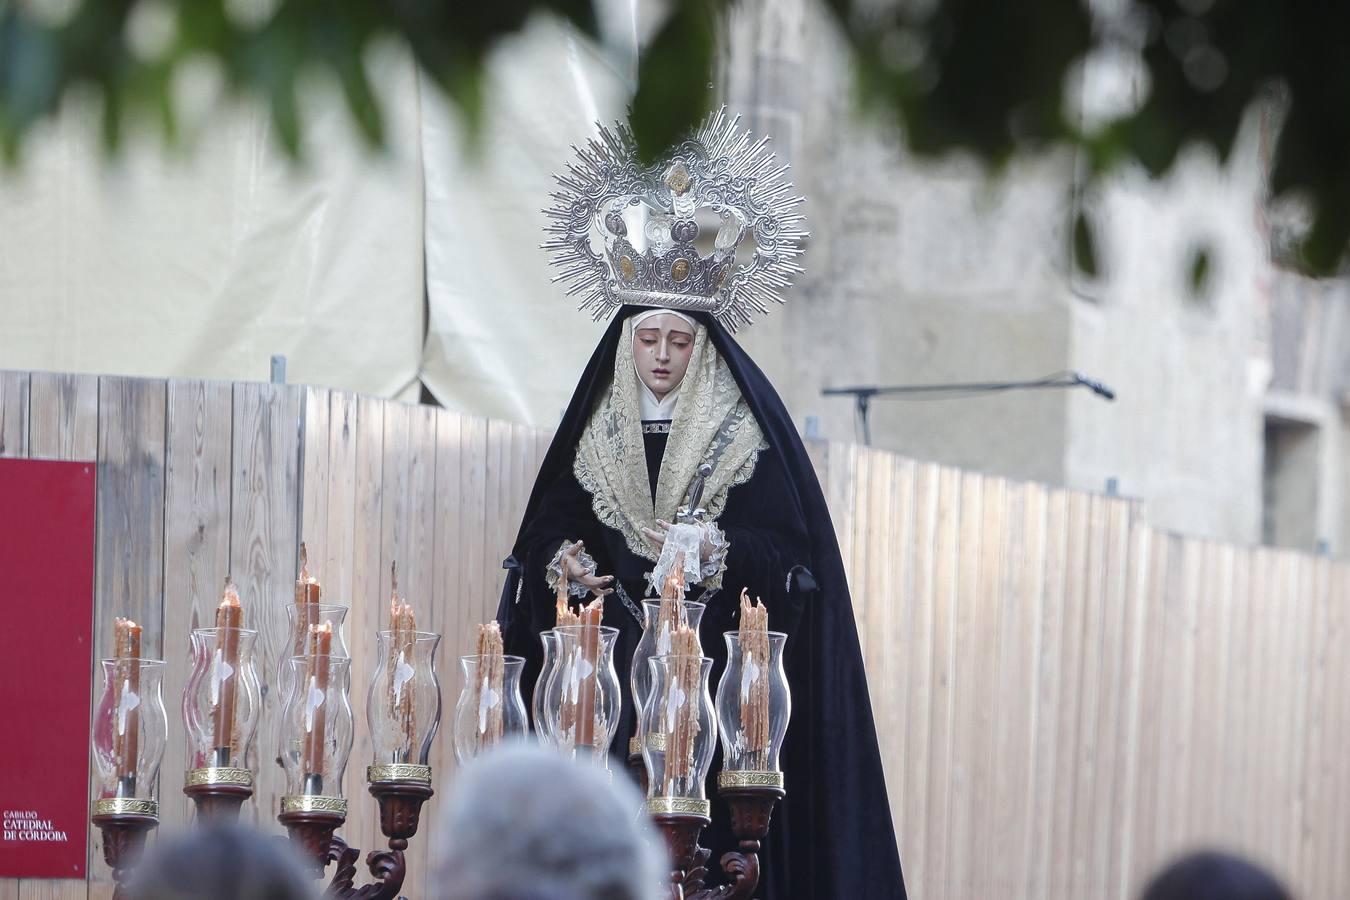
(621, 232)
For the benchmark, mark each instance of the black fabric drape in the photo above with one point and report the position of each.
(832, 836)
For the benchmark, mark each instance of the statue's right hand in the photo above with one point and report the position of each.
(579, 574)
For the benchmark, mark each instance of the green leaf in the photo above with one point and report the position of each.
(674, 79)
(1199, 271)
(361, 101)
(1325, 247)
(1084, 245)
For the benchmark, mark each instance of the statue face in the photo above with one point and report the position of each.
(662, 346)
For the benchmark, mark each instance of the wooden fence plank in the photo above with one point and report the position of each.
(369, 602)
(499, 519)
(448, 582)
(63, 417)
(1141, 542)
(473, 526)
(1203, 741)
(892, 685)
(966, 702)
(196, 555)
(987, 695)
(1013, 763)
(334, 555)
(1069, 694)
(130, 559)
(1297, 621)
(1049, 674)
(1312, 785)
(1337, 862)
(1264, 633)
(941, 685)
(314, 473)
(263, 553)
(1087, 772)
(1109, 763)
(869, 591)
(860, 584)
(14, 415)
(921, 666)
(1239, 713)
(419, 550)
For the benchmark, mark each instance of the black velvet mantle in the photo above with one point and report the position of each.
(832, 836)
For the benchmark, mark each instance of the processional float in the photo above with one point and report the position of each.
(645, 219)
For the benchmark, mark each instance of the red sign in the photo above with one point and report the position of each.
(46, 613)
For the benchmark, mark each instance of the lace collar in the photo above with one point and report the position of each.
(711, 424)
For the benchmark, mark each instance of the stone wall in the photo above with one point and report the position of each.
(921, 272)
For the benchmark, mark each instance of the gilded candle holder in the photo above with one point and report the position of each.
(679, 737)
(479, 706)
(129, 735)
(403, 713)
(316, 728)
(576, 685)
(219, 777)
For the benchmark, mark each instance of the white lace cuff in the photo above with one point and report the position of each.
(688, 539)
(710, 572)
(553, 573)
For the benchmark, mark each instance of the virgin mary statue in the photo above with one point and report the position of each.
(670, 410)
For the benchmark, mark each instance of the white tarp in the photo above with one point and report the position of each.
(502, 341)
(207, 263)
(365, 270)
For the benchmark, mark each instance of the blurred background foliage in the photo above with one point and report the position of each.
(987, 77)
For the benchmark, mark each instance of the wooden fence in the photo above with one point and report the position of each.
(1065, 696)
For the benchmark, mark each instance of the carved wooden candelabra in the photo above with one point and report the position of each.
(400, 790)
(124, 824)
(751, 809)
(221, 705)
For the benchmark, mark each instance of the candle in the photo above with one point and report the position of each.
(670, 615)
(229, 619)
(591, 615)
(316, 694)
(754, 640)
(403, 640)
(307, 593)
(126, 693)
(565, 615)
(684, 667)
(673, 587)
(488, 690)
(563, 587)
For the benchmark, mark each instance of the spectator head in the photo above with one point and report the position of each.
(222, 862)
(523, 823)
(1210, 875)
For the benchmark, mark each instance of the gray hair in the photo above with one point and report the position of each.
(523, 823)
(220, 861)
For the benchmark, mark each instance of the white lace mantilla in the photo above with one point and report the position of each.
(712, 424)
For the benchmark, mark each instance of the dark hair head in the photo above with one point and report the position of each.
(222, 862)
(1211, 875)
